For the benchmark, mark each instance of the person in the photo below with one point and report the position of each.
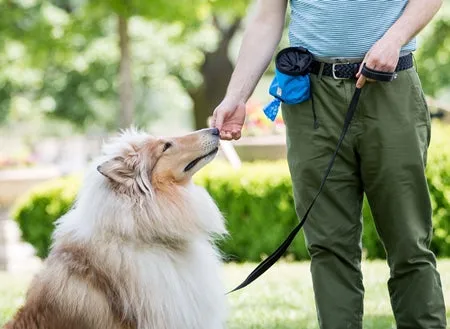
(383, 155)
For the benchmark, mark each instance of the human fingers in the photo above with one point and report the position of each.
(226, 135)
(236, 134)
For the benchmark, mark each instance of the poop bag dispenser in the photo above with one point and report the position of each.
(291, 84)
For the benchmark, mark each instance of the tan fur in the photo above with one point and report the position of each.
(81, 264)
(84, 292)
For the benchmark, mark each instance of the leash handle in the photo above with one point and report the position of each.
(378, 75)
(276, 255)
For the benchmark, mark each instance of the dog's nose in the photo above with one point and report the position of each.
(215, 131)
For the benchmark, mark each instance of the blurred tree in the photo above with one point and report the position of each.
(81, 54)
(434, 55)
(55, 61)
(77, 59)
(216, 68)
(216, 71)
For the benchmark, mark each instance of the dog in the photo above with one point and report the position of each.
(137, 249)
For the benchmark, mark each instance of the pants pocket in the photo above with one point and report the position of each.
(422, 110)
(300, 116)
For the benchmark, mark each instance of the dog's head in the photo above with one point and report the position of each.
(140, 189)
(140, 163)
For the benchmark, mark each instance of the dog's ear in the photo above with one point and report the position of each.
(116, 169)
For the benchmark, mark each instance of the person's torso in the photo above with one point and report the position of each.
(343, 28)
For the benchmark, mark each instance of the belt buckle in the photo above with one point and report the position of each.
(333, 70)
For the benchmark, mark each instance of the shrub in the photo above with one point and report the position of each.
(257, 203)
(37, 211)
(438, 176)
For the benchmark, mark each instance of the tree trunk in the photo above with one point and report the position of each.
(125, 76)
(216, 71)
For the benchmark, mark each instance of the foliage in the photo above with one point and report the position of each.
(62, 57)
(191, 12)
(76, 79)
(59, 58)
(53, 67)
(37, 212)
(434, 54)
(257, 203)
(438, 175)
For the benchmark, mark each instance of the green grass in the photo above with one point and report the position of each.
(281, 299)
(12, 290)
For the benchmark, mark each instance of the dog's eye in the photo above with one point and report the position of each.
(167, 146)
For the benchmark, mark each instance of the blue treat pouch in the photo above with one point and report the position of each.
(291, 84)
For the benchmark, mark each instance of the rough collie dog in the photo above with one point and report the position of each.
(137, 249)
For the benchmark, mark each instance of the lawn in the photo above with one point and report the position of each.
(281, 299)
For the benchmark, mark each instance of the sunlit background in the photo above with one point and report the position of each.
(73, 72)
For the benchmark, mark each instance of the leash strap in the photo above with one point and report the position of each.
(269, 261)
(378, 75)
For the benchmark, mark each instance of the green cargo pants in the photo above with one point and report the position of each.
(383, 155)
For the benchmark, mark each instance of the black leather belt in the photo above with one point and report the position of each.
(349, 70)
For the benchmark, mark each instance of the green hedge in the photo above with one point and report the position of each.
(438, 175)
(36, 211)
(257, 203)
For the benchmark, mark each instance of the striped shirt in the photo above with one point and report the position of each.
(343, 28)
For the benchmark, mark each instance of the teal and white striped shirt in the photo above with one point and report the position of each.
(343, 28)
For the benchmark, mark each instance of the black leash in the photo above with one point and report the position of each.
(276, 255)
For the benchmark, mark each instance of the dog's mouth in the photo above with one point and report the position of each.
(193, 163)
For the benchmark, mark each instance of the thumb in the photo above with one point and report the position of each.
(362, 64)
(361, 82)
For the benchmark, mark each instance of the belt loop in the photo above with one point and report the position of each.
(319, 75)
(415, 63)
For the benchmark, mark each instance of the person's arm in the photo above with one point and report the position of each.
(384, 54)
(261, 38)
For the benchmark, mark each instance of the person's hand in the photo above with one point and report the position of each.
(383, 56)
(229, 117)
